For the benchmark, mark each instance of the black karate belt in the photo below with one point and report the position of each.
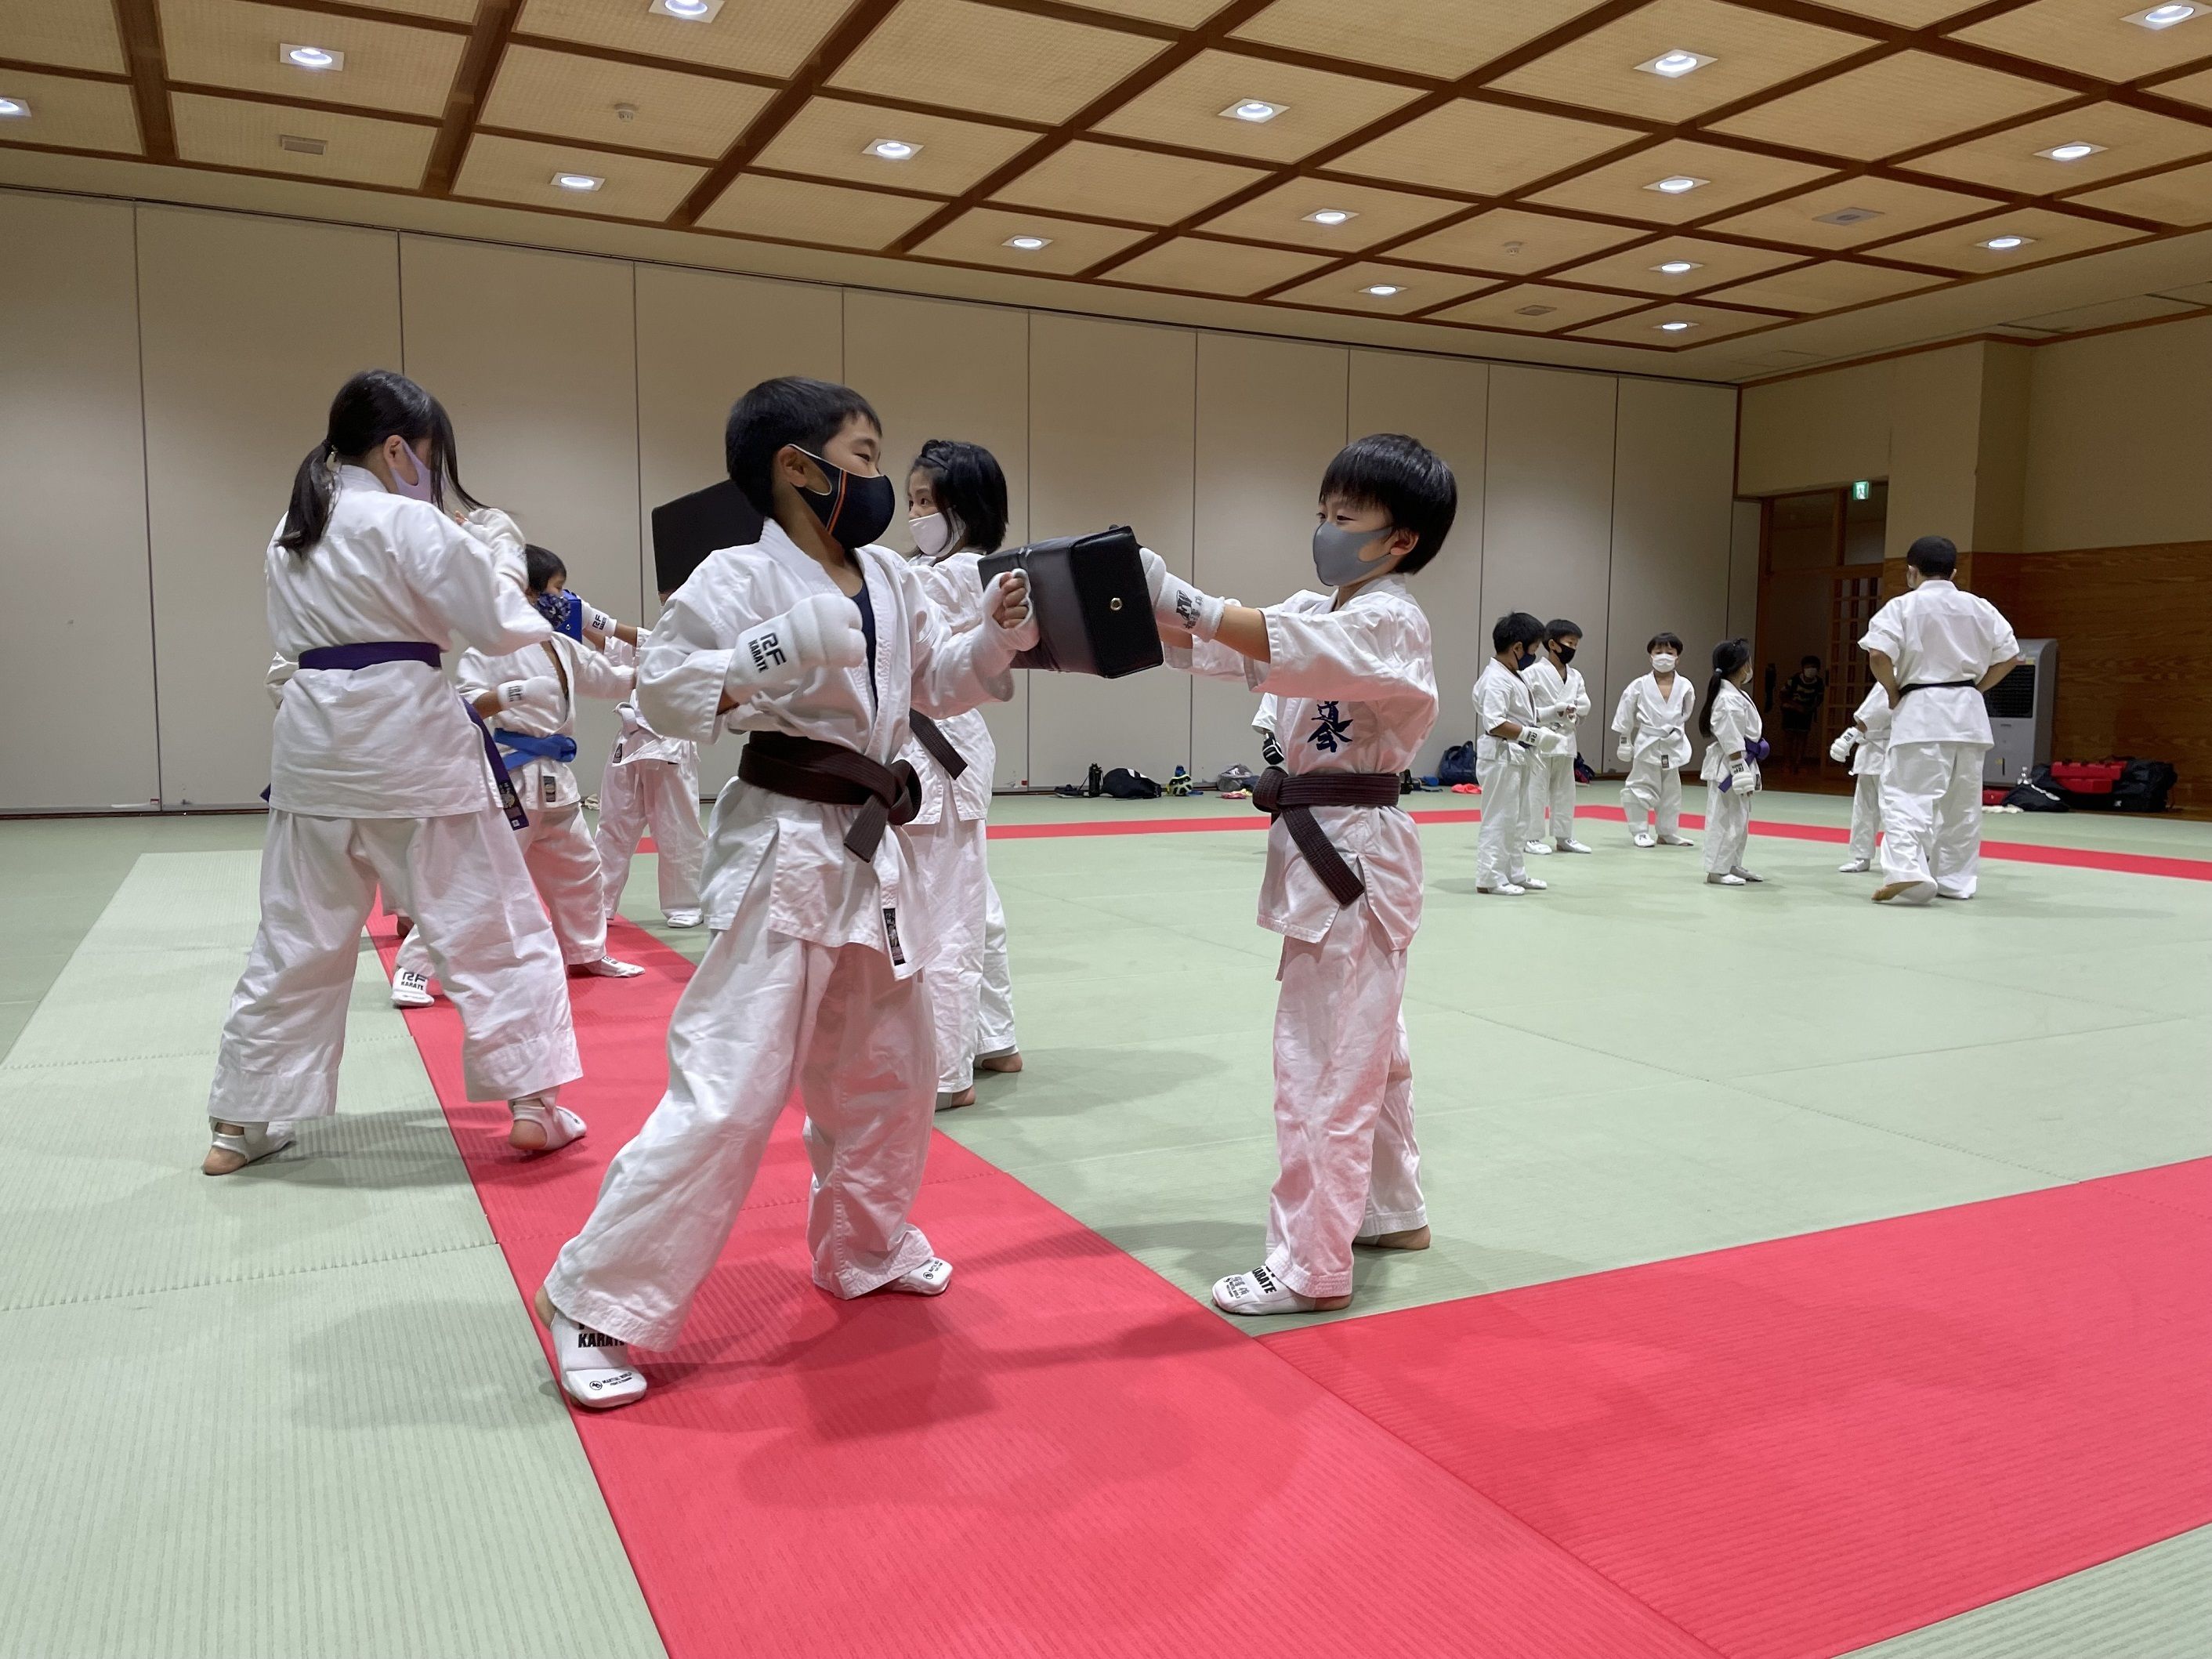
(1910, 686)
(369, 654)
(807, 769)
(931, 736)
(1279, 795)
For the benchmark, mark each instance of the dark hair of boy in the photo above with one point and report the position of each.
(1666, 641)
(1404, 478)
(1934, 557)
(1728, 656)
(791, 409)
(1560, 628)
(1515, 628)
(970, 490)
(542, 565)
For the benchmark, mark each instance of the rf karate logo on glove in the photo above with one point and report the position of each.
(768, 652)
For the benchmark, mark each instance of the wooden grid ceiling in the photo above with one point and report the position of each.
(1469, 165)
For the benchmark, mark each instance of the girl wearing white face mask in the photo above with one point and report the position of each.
(1735, 743)
(956, 500)
(1653, 724)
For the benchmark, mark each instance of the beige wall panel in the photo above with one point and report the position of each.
(1271, 413)
(702, 339)
(2000, 456)
(1743, 573)
(1935, 426)
(1112, 430)
(1673, 524)
(1443, 401)
(1548, 520)
(936, 368)
(1814, 430)
(72, 475)
(2118, 429)
(533, 353)
(251, 325)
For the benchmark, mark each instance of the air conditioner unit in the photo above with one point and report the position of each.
(2019, 715)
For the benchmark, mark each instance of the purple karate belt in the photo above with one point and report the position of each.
(1279, 795)
(368, 654)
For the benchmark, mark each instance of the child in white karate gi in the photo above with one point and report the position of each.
(816, 642)
(1353, 669)
(1556, 690)
(957, 506)
(1865, 745)
(1734, 734)
(651, 782)
(1510, 741)
(377, 777)
(1653, 723)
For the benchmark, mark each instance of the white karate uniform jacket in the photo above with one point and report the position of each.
(955, 587)
(1500, 695)
(818, 892)
(1735, 722)
(1872, 748)
(587, 672)
(1560, 700)
(1656, 726)
(1935, 633)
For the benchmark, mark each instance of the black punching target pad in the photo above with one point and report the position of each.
(1094, 610)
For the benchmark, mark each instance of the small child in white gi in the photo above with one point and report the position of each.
(1734, 747)
(1510, 741)
(1865, 745)
(1653, 724)
(651, 782)
(1556, 690)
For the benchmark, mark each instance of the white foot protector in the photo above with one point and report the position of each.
(1511, 890)
(1724, 878)
(411, 989)
(1905, 892)
(1572, 847)
(1748, 875)
(930, 1279)
(1540, 848)
(607, 968)
(256, 1142)
(1959, 898)
(540, 1126)
(1258, 1292)
(680, 918)
(1677, 840)
(593, 1368)
(1645, 838)
(1853, 867)
(1528, 883)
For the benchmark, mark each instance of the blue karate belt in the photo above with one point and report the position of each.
(522, 748)
(369, 654)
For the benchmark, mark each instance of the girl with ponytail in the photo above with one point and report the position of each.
(1729, 719)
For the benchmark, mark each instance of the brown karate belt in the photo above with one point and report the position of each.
(1279, 795)
(931, 736)
(807, 769)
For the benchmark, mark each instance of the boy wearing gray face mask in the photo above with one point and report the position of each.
(1352, 676)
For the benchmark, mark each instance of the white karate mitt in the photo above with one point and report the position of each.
(822, 631)
(540, 690)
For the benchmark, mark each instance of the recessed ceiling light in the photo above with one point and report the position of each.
(1255, 110)
(1676, 328)
(13, 109)
(1675, 64)
(1850, 216)
(1382, 291)
(1678, 267)
(2005, 244)
(686, 11)
(2163, 18)
(579, 181)
(2073, 152)
(1676, 185)
(1029, 244)
(893, 150)
(1330, 216)
(310, 58)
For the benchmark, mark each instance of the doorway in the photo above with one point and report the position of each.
(1820, 582)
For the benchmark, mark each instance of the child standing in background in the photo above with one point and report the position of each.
(1653, 722)
(1556, 690)
(1730, 722)
(1511, 740)
(1865, 745)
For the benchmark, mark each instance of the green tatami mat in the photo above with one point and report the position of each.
(2155, 1603)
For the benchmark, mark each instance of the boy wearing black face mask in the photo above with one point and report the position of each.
(1511, 741)
(815, 642)
(1556, 688)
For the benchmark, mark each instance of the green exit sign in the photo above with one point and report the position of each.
(1862, 491)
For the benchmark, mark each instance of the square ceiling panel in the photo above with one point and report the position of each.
(2049, 235)
(767, 37)
(798, 211)
(450, 11)
(1285, 214)
(1896, 103)
(1446, 40)
(1316, 109)
(2139, 309)
(1827, 286)
(1416, 290)
(72, 114)
(568, 96)
(1480, 148)
(1748, 51)
(831, 137)
(1229, 269)
(1649, 328)
(2092, 37)
(980, 235)
(1870, 210)
(2182, 196)
(1114, 183)
(74, 33)
(1512, 242)
(1905, 14)
(2133, 139)
(521, 170)
(1711, 264)
(1182, 13)
(1536, 308)
(356, 149)
(963, 56)
(1730, 178)
(388, 66)
(2189, 88)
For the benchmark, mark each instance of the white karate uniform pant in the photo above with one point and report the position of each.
(1865, 816)
(462, 879)
(1727, 828)
(1932, 815)
(761, 1013)
(1344, 1104)
(664, 796)
(1550, 787)
(564, 867)
(948, 858)
(1498, 845)
(1654, 790)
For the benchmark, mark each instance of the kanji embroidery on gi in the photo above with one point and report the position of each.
(1331, 729)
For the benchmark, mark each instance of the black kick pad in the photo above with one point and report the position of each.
(689, 528)
(1094, 610)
